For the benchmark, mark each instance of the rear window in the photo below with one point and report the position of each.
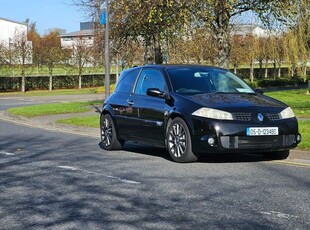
(126, 83)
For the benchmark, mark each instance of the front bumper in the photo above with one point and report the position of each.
(230, 136)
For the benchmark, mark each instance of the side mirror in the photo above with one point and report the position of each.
(154, 92)
(259, 91)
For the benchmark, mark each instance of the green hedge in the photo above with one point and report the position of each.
(279, 82)
(260, 73)
(8, 84)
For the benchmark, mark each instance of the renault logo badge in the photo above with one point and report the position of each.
(260, 117)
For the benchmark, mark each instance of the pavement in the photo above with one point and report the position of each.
(50, 122)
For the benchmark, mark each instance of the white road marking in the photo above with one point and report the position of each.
(98, 174)
(278, 214)
(7, 153)
(289, 162)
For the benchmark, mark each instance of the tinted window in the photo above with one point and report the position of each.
(127, 82)
(150, 78)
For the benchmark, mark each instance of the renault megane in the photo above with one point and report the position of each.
(192, 110)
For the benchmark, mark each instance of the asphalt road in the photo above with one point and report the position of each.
(51, 180)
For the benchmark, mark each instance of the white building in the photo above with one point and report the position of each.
(80, 42)
(9, 29)
(252, 30)
(85, 35)
(11, 33)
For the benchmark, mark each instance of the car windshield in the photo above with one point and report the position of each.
(198, 80)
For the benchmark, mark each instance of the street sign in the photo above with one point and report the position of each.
(103, 17)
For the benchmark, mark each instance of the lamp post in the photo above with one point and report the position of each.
(107, 52)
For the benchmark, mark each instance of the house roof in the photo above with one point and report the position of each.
(78, 33)
(243, 29)
(8, 20)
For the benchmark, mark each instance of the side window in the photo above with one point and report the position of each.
(126, 84)
(150, 78)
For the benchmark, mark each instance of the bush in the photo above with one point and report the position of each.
(279, 82)
(265, 83)
(253, 84)
(8, 84)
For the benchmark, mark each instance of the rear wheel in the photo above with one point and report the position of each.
(179, 144)
(279, 155)
(109, 139)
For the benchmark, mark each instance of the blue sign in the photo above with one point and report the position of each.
(103, 17)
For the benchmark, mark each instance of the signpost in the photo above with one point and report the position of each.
(104, 20)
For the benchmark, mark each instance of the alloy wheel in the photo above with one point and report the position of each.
(177, 140)
(106, 132)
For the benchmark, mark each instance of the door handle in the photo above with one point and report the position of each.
(130, 102)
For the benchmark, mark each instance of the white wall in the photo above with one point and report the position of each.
(11, 33)
(9, 29)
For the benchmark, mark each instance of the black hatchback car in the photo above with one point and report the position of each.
(193, 109)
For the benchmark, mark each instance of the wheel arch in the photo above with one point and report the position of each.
(107, 109)
(187, 120)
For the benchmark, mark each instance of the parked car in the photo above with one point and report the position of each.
(193, 109)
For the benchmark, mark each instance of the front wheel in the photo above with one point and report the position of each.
(279, 155)
(178, 141)
(109, 139)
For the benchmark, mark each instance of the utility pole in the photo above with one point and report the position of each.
(107, 52)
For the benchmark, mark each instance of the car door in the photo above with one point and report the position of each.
(147, 117)
(120, 101)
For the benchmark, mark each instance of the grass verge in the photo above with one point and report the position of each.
(304, 127)
(55, 92)
(88, 121)
(50, 109)
(298, 100)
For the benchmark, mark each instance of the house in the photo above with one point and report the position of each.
(9, 29)
(85, 35)
(249, 30)
(13, 35)
(80, 42)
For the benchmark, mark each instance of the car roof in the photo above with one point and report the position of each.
(176, 66)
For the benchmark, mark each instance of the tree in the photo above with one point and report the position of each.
(217, 15)
(35, 38)
(252, 50)
(52, 53)
(23, 49)
(239, 52)
(2, 56)
(291, 53)
(302, 33)
(81, 55)
(158, 23)
(93, 10)
(150, 20)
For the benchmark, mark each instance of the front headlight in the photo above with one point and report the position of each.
(287, 113)
(213, 114)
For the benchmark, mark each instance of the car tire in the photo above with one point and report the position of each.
(178, 141)
(109, 140)
(279, 155)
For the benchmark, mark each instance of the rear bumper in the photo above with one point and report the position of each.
(230, 136)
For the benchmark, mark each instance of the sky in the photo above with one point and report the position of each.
(47, 14)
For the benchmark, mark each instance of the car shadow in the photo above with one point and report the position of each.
(231, 158)
(147, 150)
(205, 158)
